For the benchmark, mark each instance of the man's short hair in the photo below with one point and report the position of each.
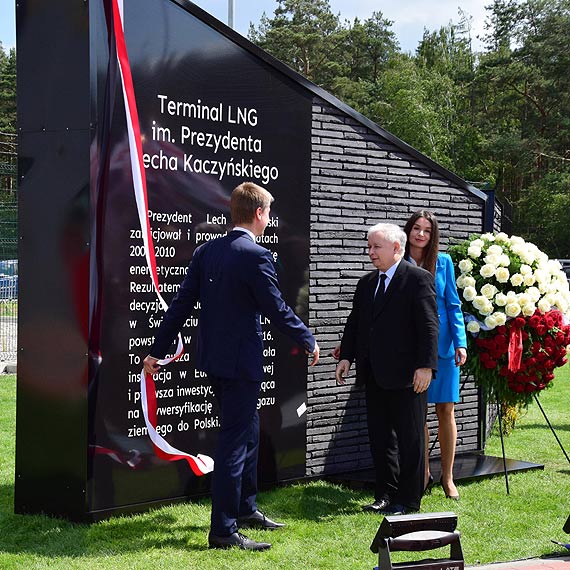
(245, 200)
(391, 232)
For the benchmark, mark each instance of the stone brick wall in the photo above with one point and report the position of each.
(361, 176)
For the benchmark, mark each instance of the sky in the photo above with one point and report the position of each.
(410, 17)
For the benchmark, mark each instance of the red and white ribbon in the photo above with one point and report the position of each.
(200, 464)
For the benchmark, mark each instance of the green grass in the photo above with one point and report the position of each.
(326, 528)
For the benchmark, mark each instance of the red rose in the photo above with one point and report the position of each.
(533, 321)
(501, 341)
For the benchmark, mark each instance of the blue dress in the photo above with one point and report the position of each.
(445, 386)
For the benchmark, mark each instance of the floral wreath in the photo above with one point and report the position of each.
(516, 304)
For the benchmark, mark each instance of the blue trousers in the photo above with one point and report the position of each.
(234, 480)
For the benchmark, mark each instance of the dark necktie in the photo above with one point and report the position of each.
(380, 290)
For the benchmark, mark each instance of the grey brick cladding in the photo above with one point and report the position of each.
(358, 178)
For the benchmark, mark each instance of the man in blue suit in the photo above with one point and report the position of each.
(235, 281)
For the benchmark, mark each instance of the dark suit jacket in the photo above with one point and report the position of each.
(391, 339)
(235, 281)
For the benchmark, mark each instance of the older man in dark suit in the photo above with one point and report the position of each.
(392, 334)
(235, 281)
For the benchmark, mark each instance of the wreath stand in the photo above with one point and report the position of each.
(503, 443)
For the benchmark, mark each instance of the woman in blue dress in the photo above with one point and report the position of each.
(422, 248)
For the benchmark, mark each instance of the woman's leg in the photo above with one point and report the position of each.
(447, 433)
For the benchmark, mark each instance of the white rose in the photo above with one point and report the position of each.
(502, 237)
(469, 281)
(487, 271)
(529, 310)
(490, 322)
(517, 240)
(500, 318)
(488, 290)
(550, 298)
(539, 275)
(488, 237)
(502, 274)
(533, 293)
(478, 243)
(525, 269)
(465, 265)
(529, 280)
(553, 266)
(512, 310)
(561, 302)
(505, 260)
(495, 250)
(523, 299)
(469, 293)
(460, 282)
(487, 308)
(493, 259)
(473, 327)
(517, 279)
(474, 251)
(500, 299)
(544, 305)
(479, 302)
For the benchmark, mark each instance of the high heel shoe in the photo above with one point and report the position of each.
(448, 496)
(429, 485)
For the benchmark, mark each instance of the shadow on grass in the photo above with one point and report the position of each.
(313, 501)
(162, 528)
(543, 426)
(54, 537)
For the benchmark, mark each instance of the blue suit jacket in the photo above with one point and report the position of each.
(451, 324)
(235, 281)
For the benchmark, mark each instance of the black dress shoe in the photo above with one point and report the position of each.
(236, 539)
(396, 509)
(377, 506)
(258, 520)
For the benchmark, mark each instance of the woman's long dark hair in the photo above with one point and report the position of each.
(430, 252)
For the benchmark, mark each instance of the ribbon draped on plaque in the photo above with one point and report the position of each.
(200, 464)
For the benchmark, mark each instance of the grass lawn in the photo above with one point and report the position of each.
(326, 528)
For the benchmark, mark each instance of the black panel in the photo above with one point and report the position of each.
(175, 59)
(81, 451)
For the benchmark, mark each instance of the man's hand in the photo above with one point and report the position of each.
(336, 352)
(460, 356)
(342, 369)
(316, 352)
(422, 379)
(150, 365)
